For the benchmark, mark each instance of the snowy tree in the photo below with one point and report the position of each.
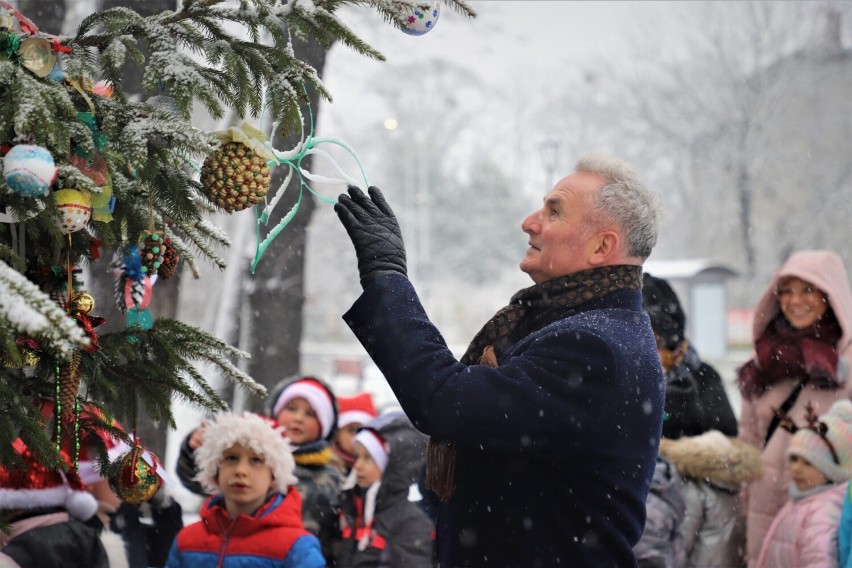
(90, 171)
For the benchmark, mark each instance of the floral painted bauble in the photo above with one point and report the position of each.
(419, 19)
(75, 209)
(29, 170)
(134, 479)
(235, 177)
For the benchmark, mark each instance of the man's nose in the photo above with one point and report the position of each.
(530, 224)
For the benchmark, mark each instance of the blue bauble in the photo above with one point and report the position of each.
(29, 170)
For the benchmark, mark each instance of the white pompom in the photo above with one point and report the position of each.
(80, 504)
(842, 409)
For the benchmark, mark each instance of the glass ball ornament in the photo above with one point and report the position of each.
(418, 19)
(83, 302)
(134, 480)
(75, 209)
(29, 170)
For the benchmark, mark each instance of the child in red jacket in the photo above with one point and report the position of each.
(255, 519)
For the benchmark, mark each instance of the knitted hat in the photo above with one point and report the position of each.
(665, 311)
(357, 408)
(810, 445)
(375, 444)
(259, 433)
(36, 486)
(318, 396)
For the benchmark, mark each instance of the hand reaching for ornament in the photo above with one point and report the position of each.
(374, 231)
(195, 437)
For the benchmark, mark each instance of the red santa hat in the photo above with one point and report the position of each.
(36, 486)
(375, 444)
(358, 409)
(317, 395)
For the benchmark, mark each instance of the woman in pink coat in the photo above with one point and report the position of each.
(804, 533)
(803, 350)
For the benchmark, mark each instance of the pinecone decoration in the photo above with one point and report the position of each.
(69, 383)
(234, 177)
(168, 268)
(151, 252)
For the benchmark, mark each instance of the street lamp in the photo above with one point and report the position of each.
(549, 150)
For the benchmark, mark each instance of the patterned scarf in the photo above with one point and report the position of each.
(529, 310)
(784, 352)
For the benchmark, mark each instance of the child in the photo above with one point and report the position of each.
(661, 544)
(306, 409)
(804, 532)
(714, 469)
(355, 411)
(381, 527)
(255, 518)
(45, 510)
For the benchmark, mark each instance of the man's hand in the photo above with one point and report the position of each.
(374, 231)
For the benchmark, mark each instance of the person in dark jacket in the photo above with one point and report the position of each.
(696, 401)
(545, 433)
(381, 527)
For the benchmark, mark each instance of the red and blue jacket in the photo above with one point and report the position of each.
(271, 537)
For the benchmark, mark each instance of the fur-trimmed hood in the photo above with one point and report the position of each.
(715, 458)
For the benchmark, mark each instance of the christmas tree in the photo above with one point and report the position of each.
(89, 171)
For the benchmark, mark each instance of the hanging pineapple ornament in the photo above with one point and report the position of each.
(69, 383)
(236, 176)
(135, 477)
(151, 252)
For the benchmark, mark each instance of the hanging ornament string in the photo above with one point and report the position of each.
(292, 159)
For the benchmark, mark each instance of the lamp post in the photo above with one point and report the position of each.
(549, 151)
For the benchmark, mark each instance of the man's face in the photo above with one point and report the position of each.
(561, 238)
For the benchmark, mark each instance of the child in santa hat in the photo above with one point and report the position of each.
(254, 517)
(355, 411)
(380, 526)
(45, 508)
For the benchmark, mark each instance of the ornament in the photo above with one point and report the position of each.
(151, 252)
(69, 383)
(135, 478)
(419, 19)
(75, 208)
(82, 302)
(168, 268)
(8, 22)
(37, 56)
(29, 170)
(235, 177)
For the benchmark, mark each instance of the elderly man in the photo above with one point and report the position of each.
(544, 434)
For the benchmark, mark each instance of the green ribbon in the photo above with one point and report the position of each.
(9, 44)
(88, 118)
(293, 161)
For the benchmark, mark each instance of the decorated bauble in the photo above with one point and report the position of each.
(29, 170)
(82, 302)
(37, 55)
(151, 252)
(418, 19)
(75, 208)
(234, 177)
(134, 479)
(170, 260)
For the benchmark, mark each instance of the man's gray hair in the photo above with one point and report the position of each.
(624, 200)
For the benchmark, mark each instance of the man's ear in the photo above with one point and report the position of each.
(605, 248)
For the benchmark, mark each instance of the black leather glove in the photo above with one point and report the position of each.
(374, 231)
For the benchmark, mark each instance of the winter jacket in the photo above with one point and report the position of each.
(555, 447)
(319, 484)
(399, 534)
(804, 533)
(844, 531)
(696, 400)
(767, 495)
(661, 545)
(271, 537)
(714, 469)
(52, 540)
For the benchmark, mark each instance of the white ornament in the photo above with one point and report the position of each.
(418, 19)
(75, 209)
(29, 170)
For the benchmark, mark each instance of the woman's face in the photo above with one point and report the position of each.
(801, 302)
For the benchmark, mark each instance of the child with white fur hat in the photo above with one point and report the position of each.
(804, 532)
(255, 515)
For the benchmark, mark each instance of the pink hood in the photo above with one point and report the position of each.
(825, 270)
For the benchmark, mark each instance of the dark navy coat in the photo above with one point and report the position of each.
(556, 446)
